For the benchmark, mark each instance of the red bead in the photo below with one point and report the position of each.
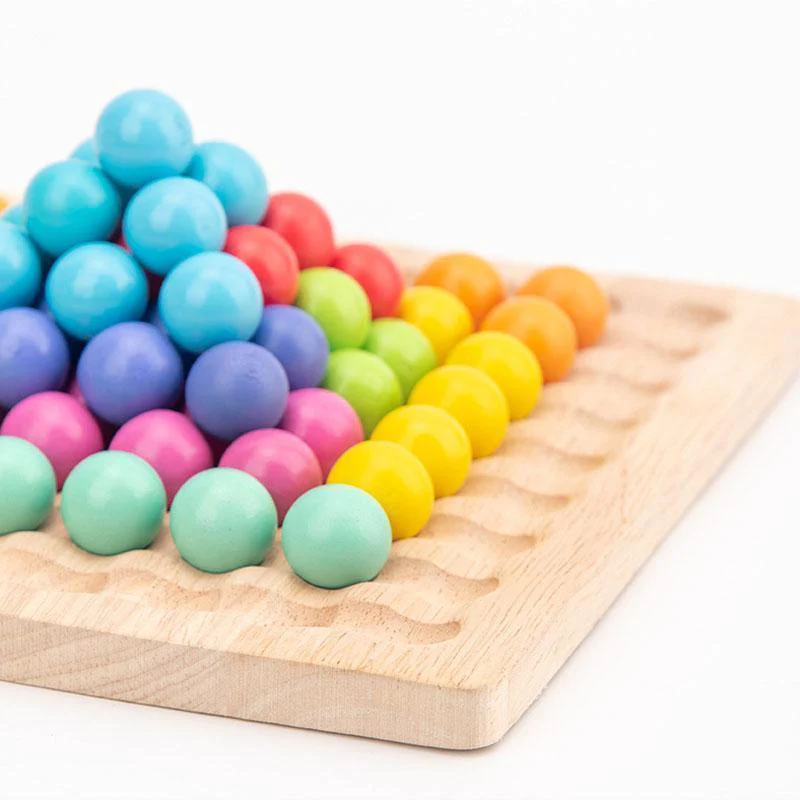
(270, 259)
(376, 272)
(305, 225)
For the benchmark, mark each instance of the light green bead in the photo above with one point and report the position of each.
(223, 519)
(335, 536)
(27, 486)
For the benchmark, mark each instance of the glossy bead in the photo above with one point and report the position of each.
(20, 267)
(305, 226)
(366, 382)
(440, 315)
(86, 151)
(14, 215)
(27, 486)
(473, 398)
(209, 299)
(436, 438)
(223, 519)
(507, 361)
(376, 273)
(395, 477)
(335, 536)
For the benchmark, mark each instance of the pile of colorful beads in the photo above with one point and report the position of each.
(173, 337)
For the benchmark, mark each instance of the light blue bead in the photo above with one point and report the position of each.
(20, 267)
(235, 177)
(93, 287)
(171, 220)
(85, 151)
(14, 215)
(142, 136)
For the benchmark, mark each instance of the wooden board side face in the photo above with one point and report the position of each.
(470, 619)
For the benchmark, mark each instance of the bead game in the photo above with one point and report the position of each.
(249, 469)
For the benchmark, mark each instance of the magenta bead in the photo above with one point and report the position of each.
(325, 421)
(62, 428)
(170, 442)
(283, 463)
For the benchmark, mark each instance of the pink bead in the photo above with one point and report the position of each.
(325, 421)
(63, 429)
(284, 464)
(170, 442)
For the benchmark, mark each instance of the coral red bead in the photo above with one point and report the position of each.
(305, 226)
(376, 272)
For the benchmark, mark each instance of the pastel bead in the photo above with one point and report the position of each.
(113, 502)
(223, 519)
(86, 151)
(376, 273)
(303, 223)
(14, 215)
(441, 316)
(335, 536)
(20, 267)
(27, 486)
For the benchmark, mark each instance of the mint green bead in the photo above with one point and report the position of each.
(27, 486)
(223, 519)
(113, 502)
(335, 536)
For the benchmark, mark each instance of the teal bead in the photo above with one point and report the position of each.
(335, 536)
(113, 502)
(27, 486)
(223, 519)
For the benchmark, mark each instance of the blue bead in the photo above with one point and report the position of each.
(14, 215)
(171, 220)
(208, 299)
(86, 151)
(142, 136)
(20, 267)
(296, 339)
(93, 287)
(70, 203)
(235, 177)
(128, 369)
(33, 355)
(234, 388)
(154, 318)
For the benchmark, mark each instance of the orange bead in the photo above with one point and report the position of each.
(543, 327)
(472, 279)
(577, 294)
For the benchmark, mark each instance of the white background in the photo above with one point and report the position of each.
(658, 138)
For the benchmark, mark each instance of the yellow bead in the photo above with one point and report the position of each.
(511, 365)
(473, 398)
(436, 438)
(441, 316)
(394, 477)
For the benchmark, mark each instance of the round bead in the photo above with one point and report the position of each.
(128, 369)
(297, 341)
(507, 361)
(34, 356)
(335, 536)
(86, 151)
(366, 382)
(235, 388)
(235, 177)
(338, 303)
(436, 438)
(171, 220)
(305, 226)
(395, 477)
(20, 267)
(223, 519)
(280, 461)
(543, 327)
(209, 299)
(440, 315)
(473, 398)
(404, 348)
(70, 203)
(169, 442)
(376, 273)
(325, 421)
(94, 286)
(27, 486)
(59, 425)
(142, 136)
(14, 215)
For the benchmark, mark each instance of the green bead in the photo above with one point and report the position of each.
(223, 519)
(27, 486)
(337, 303)
(113, 502)
(366, 382)
(404, 348)
(335, 536)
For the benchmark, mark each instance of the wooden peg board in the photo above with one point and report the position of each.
(472, 618)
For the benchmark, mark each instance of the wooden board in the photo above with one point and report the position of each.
(471, 619)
